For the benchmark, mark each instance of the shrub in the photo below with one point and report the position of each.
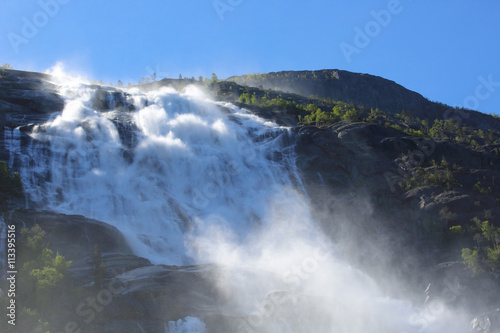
(254, 100)
(478, 187)
(457, 230)
(437, 175)
(244, 98)
(317, 117)
(493, 257)
(10, 184)
(471, 261)
(351, 115)
(485, 257)
(43, 275)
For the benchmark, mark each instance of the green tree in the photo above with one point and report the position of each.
(317, 116)
(457, 230)
(245, 98)
(472, 261)
(337, 113)
(485, 257)
(11, 185)
(214, 78)
(253, 100)
(478, 187)
(351, 115)
(45, 292)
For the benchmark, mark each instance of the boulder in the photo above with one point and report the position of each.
(73, 236)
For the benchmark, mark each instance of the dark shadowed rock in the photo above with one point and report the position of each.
(109, 98)
(33, 91)
(73, 236)
(344, 155)
(37, 101)
(115, 263)
(351, 173)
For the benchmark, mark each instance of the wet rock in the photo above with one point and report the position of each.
(115, 263)
(109, 98)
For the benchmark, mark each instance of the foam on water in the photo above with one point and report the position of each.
(186, 325)
(189, 161)
(12, 142)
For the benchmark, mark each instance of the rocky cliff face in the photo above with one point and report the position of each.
(28, 98)
(25, 97)
(351, 171)
(73, 235)
(352, 174)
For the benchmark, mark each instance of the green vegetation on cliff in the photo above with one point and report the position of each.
(461, 132)
(45, 292)
(10, 185)
(321, 112)
(435, 175)
(484, 257)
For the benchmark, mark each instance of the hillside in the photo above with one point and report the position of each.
(363, 89)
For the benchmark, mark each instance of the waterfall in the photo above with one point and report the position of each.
(161, 171)
(189, 180)
(12, 139)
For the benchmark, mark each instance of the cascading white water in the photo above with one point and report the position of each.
(190, 162)
(12, 138)
(189, 180)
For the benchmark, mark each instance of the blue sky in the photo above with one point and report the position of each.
(446, 50)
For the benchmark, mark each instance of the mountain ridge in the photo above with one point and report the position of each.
(368, 90)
